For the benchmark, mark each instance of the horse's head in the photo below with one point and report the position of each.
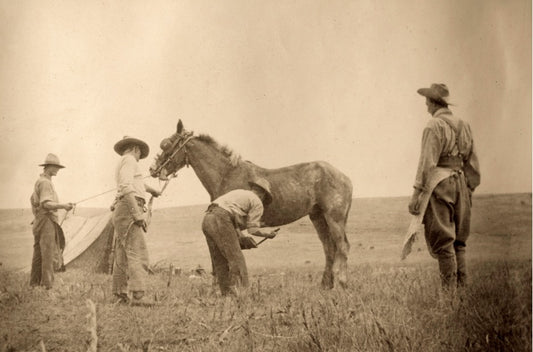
(173, 154)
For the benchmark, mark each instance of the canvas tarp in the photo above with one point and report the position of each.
(88, 242)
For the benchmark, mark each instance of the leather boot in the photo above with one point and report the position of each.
(448, 272)
(139, 299)
(460, 256)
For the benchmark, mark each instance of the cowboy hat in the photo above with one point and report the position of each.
(265, 186)
(52, 159)
(126, 141)
(438, 92)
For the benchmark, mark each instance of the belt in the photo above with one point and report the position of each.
(139, 200)
(214, 206)
(451, 161)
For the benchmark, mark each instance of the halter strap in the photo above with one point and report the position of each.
(158, 170)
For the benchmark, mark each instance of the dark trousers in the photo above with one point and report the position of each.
(47, 254)
(227, 259)
(447, 228)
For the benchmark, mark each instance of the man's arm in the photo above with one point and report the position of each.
(47, 198)
(259, 233)
(154, 192)
(54, 205)
(472, 170)
(429, 157)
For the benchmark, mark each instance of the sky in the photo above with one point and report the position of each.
(279, 82)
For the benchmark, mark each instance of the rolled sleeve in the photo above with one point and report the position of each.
(46, 192)
(254, 215)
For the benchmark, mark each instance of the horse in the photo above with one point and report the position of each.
(316, 189)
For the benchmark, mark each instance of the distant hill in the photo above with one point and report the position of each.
(375, 229)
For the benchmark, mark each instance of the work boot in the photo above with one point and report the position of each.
(138, 299)
(448, 272)
(461, 266)
(121, 298)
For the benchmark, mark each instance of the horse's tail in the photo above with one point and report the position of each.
(349, 199)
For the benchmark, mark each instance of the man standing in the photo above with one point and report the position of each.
(228, 214)
(448, 173)
(129, 219)
(49, 239)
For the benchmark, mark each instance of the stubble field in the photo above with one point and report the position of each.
(389, 305)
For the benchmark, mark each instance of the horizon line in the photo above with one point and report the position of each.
(367, 197)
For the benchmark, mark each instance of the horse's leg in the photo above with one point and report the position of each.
(336, 224)
(321, 226)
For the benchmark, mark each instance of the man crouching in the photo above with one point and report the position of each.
(225, 216)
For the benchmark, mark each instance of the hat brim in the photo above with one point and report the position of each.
(431, 94)
(268, 198)
(121, 145)
(58, 165)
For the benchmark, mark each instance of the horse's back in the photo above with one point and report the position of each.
(299, 190)
(320, 175)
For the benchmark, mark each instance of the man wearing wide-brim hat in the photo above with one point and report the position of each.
(129, 219)
(448, 173)
(49, 240)
(226, 216)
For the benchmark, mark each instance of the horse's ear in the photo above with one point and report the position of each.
(180, 126)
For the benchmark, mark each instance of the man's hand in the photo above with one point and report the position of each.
(247, 242)
(272, 234)
(155, 193)
(414, 204)
(68, 206)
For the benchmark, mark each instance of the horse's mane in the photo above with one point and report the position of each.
(234, 157)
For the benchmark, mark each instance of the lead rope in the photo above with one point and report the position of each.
(66, 214)
(89, 198)
(151, 201)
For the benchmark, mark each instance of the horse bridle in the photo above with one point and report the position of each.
(188, 136)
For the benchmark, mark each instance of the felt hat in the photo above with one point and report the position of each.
(52, 159)
(438, 92)
(127, 141)
(265, 185)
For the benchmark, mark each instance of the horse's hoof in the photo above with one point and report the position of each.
(327, 284)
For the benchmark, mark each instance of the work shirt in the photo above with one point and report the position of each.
(129, 177)
(244, 205)
(438, 139)
(43, 191)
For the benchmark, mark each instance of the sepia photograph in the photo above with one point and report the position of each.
(243, 175)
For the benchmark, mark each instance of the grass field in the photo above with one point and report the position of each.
(389, 305)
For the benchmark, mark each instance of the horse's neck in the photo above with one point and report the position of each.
(210, 165)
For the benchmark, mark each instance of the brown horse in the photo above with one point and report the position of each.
(316, 189)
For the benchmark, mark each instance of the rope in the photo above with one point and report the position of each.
(101, 194)
(66, 214)
(111, 190)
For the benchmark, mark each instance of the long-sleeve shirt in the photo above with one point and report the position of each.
(245, 206)
(438, 139)
(129, 177)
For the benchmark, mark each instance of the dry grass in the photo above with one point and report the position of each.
(385, 308)
(389, 305)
